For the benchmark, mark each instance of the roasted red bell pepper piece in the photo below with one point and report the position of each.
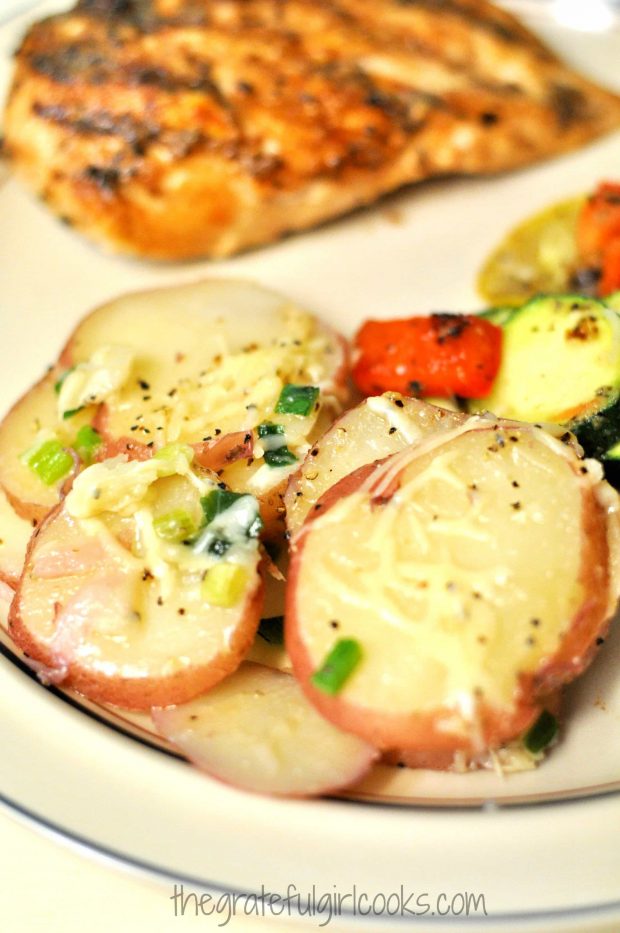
(439, 355)
(610, 272)
(598, 231)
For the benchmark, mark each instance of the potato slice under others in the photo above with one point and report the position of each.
(374, 429)
(15, 533)
(202, 364)
(257, 731)
(474, 572)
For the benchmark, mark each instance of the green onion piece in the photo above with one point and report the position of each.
(171, 451)
(337, 666)
(272, 630)
(61, 379)
(297, 400)
(50, 461)
(280, 457)
(542, 733)
(217, 502)
(224, 585)
(71, 412)
(86, 443)
(175, 526)
(269, 429)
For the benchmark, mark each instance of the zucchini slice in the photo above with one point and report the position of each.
(561, 364)
(613, 300)
(499, 315)
(598, 429)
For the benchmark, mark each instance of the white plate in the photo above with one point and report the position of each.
(545, 852)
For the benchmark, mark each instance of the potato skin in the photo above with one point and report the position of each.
(139, 693)
(425, 733)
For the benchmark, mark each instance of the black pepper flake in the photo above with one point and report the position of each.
(160, 601)
(208, 438)
(146, 574)
(399, 403)
(134, 427)
(247, 438)
(515, 484)
(318, 506)
(298, 494)
(172, 393)
(181, 611)
(146, 398)
(392, 430)
(583, 469)
(314, 451)
(334, 623)
(194, 717)
(530, 640)
(150, 443)
(535, 622)
(217, 432)
(144, 384)
(515, 505)
(600, 641)
(401, 764)
(222, 485)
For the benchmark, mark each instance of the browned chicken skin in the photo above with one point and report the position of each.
(181, 128)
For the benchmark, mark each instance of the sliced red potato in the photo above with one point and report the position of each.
(374, 429)
(127, 598)
(474, 573)
(15, 533)
(188, 364)
(257, 731)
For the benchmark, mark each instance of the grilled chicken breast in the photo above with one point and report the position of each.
(180, 128)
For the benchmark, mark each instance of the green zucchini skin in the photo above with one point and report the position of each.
(561, 364)
(598, 430)
(499, 316)
(613, 301)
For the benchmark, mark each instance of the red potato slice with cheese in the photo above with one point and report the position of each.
(257, 731)
(196, 364)
(475, 571)
(15, 533)
(109, 608)
(371, 431)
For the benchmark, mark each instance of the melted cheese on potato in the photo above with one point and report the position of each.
(464, 578)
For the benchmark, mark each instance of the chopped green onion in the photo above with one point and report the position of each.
(297, 400)
(61, 379)
(280, 457)
(70, 412)
(542, 733)
(230, 518)
(49, 460)
(175, 526)
(171, 451)
(272, 630)
(269, 429)
(217, 502)
(337, 666)
(224, 585)
(86, 443)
